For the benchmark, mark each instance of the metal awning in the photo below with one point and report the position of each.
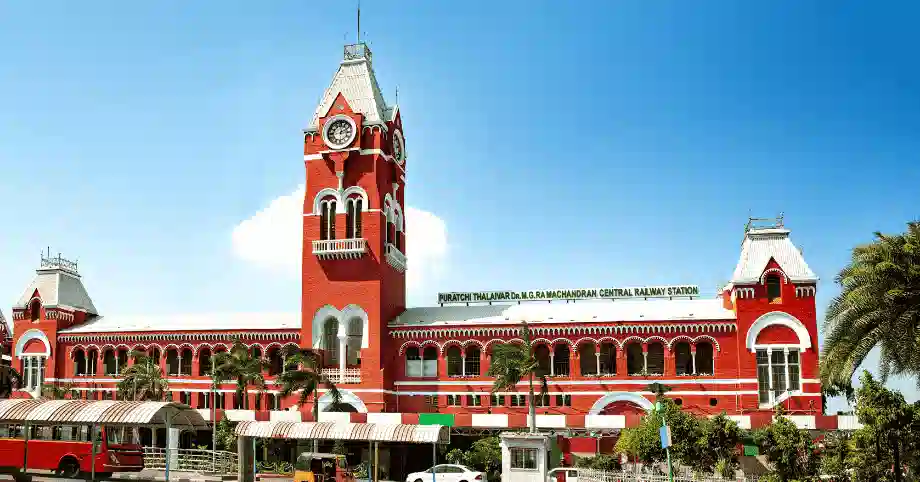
(105, 412)
(373, 432)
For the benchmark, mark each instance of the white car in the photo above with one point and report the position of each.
(447, 473)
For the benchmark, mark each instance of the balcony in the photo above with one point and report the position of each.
(337, 375)
(395, 258)
(339, 248)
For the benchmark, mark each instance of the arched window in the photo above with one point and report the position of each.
(655, 364)
(561, 360)
(275, 361)
(704, 359)
(413, 362)
(92, 357)
(454, 361)
(608, 359)
(587, 358)
(172, 361)
(154, 355)
(472, 361)
(122, 359)
(397, 232)
(35, 310)
(204, 362)
(635, 363)
(79, 362)
(774, 289)
(109, 360)
(353, 208)
(331, 342)
(185, 365)
(683, 362)
(430, 361)
(327, 219)
(541, 353)
(353, 342)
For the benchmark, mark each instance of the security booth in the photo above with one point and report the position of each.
(83, 438)
(525, 457)
(371, 433)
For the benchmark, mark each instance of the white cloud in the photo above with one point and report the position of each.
(272, 238)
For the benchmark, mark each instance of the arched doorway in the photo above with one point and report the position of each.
(620, 403)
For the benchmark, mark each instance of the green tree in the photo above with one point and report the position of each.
(717, 447)
(604, 462)
(889, 436)
(879, 306)
(55, 391)
(240, 365)
(304, 377)
(225, 436)
(512, 363)
(789, 449)
(644, 442)
(143, 380)
(484, 455)
(836, 454)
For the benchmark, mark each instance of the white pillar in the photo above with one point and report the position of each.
(552, 364)
(597, 361)
(770, 370)
(343, 344)
(786, 365)
(693, 357)
(463, 365)
(645, 361)
(172, 442)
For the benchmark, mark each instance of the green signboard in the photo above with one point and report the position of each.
(751, 450)
(446, 419)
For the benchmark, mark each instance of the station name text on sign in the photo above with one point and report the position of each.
(578, 294)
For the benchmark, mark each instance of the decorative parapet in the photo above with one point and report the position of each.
(59, 262)
(339, 248)
(357, 51)
(395, 258)
(804, 291)
(156, 338)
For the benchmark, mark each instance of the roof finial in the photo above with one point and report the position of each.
(359, 22)
(397, 95)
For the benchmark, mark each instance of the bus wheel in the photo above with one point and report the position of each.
(69, 468)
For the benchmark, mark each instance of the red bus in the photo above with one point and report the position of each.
(67, 451)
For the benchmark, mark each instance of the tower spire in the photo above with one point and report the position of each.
(359, 22)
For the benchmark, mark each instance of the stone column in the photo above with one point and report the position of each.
(693, 358)
(575, 365)
(552, 363)
(644, 358)
(463, 365)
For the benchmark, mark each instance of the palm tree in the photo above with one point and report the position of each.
(305, 378)
(10, 380)
(511, 363)
(239, 364)
(59, 392)
(879, 306)
(143, 380)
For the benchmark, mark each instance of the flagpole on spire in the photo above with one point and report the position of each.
(359, 21)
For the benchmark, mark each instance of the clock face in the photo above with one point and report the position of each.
(339, 132)
(398, 151)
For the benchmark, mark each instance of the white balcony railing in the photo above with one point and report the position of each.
(337, 375)
(395, 258)
(339, 248)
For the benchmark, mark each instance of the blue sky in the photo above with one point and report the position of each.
(558, 144)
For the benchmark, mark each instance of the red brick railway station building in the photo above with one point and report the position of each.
(744, 350)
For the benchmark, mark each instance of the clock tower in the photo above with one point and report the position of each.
(354, 243)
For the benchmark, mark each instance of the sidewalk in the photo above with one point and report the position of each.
(174, 476)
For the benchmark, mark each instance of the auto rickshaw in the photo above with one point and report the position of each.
(320, 467)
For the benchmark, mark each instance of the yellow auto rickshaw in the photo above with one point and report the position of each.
(320, 467)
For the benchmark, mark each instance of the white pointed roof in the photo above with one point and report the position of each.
(58, 288)
(356, 81)
(759, 246)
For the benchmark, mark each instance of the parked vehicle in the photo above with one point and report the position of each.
(447, 473)
(67, 450)
(322, 467)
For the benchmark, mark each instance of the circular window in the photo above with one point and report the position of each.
(679, 401)
(399, 150)
(713, 402)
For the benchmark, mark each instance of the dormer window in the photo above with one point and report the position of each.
(35, 309)
(774, 290)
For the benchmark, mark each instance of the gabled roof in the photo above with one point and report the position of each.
(605, 311)
(356, 81)
(189, 322)
(58, 288)
(761, 245)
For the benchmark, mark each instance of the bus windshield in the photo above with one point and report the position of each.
(121, 436)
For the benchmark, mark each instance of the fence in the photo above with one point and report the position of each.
(590, 475)
(192, 460)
